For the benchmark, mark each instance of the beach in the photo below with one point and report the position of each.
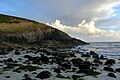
(79, 63)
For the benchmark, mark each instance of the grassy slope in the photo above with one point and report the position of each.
(13, 24)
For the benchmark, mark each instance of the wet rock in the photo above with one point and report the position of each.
(85, 65)
(57, 70)
(20, 59)
(112, 75)
(76, 61)
(108, 69)
(17, 53)
(36, 60)
(7, 76)
(29, 57)
(97, 61)
(85, 55)
(72, 55)
(93, 53)
(117, 70)
(66, 65)
(44, 59)
(59, 59)
(44, 75)
(55, 53)
(9, 60)
(110, 62)
(74, 69)
(95, 56)
(1, 61)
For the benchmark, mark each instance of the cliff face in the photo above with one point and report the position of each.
(22, 31)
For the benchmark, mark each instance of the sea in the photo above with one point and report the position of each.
(102, 48)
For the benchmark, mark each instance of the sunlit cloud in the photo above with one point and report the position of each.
(87, 31)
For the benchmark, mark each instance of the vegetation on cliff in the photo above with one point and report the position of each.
(23, 31)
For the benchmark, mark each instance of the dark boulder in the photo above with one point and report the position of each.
(117, 70)
(44, 75)
(108, 69)
(7, 76)
(10, 60)
(29, 57)
(112, 75)
(36, 60)
(110, 62)
(44, 59)
(85, 65)
(17, 53)
(76, 61)
(95, 56)
(93, 53)
(66, 65)
(97, 61)
(57, 70)
(85, 55)
(72, 55)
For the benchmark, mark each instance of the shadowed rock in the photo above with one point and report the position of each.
(112, 75)
(44, 75)
(108, 69)
(110, 62)
(117, 70)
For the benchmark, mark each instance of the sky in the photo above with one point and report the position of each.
(88, 20)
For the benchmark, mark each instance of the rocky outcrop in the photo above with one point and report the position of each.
(31, 32)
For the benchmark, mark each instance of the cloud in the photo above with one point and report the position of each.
(87, 31)
(71, 12)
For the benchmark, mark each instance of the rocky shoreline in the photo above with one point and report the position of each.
(56, 64)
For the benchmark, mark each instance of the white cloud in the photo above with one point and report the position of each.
(88, 32)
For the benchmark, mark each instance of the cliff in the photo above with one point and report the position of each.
(15, 30)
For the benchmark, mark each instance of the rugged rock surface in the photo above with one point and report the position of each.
(22, 31)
